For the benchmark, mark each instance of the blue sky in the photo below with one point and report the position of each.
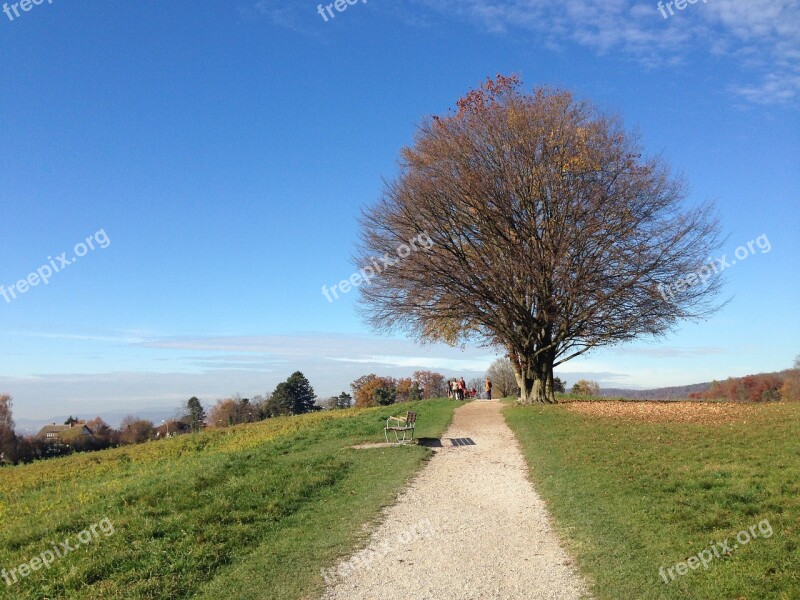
(226, 148)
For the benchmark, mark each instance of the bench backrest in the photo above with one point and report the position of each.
(411, 418)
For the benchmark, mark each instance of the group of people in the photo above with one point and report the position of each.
(457, 388)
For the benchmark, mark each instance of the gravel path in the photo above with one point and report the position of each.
(469, 527)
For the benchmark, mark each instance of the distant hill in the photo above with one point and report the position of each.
(680, 392)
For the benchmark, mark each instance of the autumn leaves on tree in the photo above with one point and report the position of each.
(372, 390)
(551, 234)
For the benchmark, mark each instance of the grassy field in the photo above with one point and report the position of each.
(259, 509)
(637, 486)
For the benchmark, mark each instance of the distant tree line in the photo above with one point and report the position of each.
(584, 387)
(292, 397)
(22, 449)
(790, 391)
(373, 390)
(764, 387)
(342, 401)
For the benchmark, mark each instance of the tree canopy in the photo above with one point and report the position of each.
(550, 234)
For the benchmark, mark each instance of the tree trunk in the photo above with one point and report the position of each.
(535, 380)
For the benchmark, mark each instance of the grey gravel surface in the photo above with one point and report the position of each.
(470, 526)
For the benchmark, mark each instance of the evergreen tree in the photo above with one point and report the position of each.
(280, 402)
(197, 414)
(295, 396)
(301, 393)
(344, 400)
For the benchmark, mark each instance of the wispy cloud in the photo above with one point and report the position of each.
(767, 32)
(307, 344)
(475, 364)
(670, 352)
(269, 351)
(289, 15)
(122, 338)
(760, 37)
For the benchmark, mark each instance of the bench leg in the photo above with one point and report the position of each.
(397, 439)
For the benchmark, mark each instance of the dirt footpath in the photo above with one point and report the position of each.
(470, 526)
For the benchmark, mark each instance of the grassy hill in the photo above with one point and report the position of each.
(257, 508)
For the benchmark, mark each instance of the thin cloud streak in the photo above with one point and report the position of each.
(768, 31)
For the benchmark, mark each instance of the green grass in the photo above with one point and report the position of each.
(630, 496)
(254, 511)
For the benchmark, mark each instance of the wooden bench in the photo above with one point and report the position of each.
(398, 424)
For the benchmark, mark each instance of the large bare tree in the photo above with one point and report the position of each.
(551, 234)
(503, 377)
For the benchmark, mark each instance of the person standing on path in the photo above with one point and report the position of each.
(488, 388)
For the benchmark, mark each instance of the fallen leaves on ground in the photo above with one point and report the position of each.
(709, 413)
